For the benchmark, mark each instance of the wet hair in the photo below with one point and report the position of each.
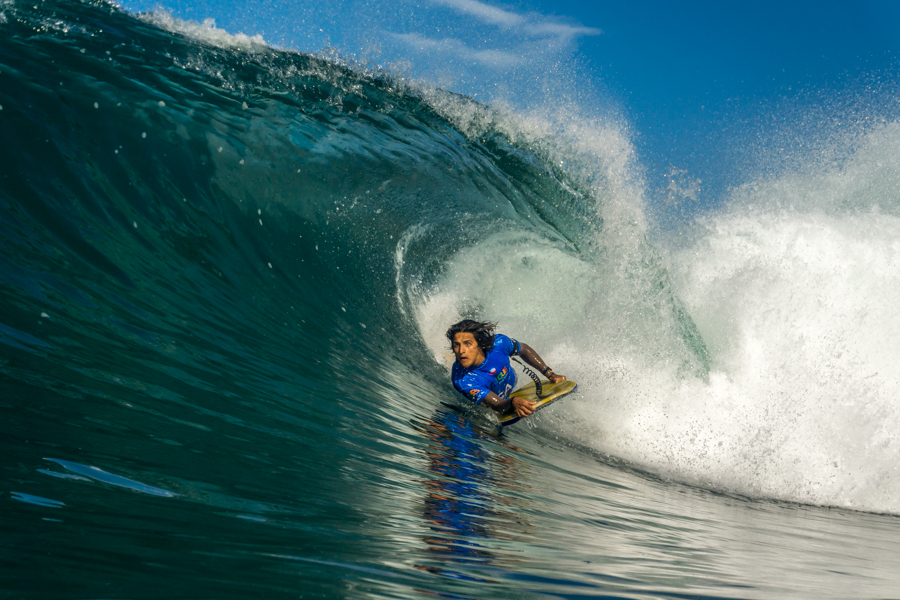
(483, 332)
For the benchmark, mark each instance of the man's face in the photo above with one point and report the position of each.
(466, 349)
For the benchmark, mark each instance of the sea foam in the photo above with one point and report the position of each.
(792, 287)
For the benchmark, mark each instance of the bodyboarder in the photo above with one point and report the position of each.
(482, 372)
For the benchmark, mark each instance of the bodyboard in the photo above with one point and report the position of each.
(552, 393)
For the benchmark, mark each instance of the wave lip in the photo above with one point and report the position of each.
(206, 32)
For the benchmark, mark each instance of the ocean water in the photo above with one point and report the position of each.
(226, 271)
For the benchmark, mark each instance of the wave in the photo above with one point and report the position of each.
(194, 219)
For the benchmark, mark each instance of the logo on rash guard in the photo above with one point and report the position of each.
(473, 392)
(492, 371)
(502, 374)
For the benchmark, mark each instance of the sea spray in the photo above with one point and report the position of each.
(793, 288)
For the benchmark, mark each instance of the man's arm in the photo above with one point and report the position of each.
(522, 406)
(496, 402)
(532, 358)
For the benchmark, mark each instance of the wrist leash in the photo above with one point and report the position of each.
(538, 387)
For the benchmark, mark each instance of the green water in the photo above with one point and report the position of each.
(224, 278)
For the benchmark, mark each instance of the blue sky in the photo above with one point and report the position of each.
(700, 83)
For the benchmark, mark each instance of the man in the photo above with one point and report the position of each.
(482, 372)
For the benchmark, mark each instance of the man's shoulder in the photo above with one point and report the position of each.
(505, 344)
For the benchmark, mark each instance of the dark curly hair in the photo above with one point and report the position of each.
(483, 332)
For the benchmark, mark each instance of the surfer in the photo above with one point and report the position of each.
(482, 372)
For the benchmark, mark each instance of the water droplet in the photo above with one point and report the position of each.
(96, 105)
(161, 104)
(144, 134)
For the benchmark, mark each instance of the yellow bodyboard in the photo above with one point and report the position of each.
(551, 393)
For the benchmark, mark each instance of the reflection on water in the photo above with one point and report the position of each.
(469, 504)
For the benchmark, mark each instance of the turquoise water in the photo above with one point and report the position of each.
(224, 278)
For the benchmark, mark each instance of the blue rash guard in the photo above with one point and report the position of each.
(494, 374)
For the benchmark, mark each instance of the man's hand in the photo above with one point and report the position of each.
(557, 378)
(523, 407)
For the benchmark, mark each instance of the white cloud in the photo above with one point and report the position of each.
(532, 24)
(497, 59)
(476, 36)
(561, 30)
(485, 12)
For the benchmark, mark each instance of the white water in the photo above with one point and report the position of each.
(205, 32)
(794, 288)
